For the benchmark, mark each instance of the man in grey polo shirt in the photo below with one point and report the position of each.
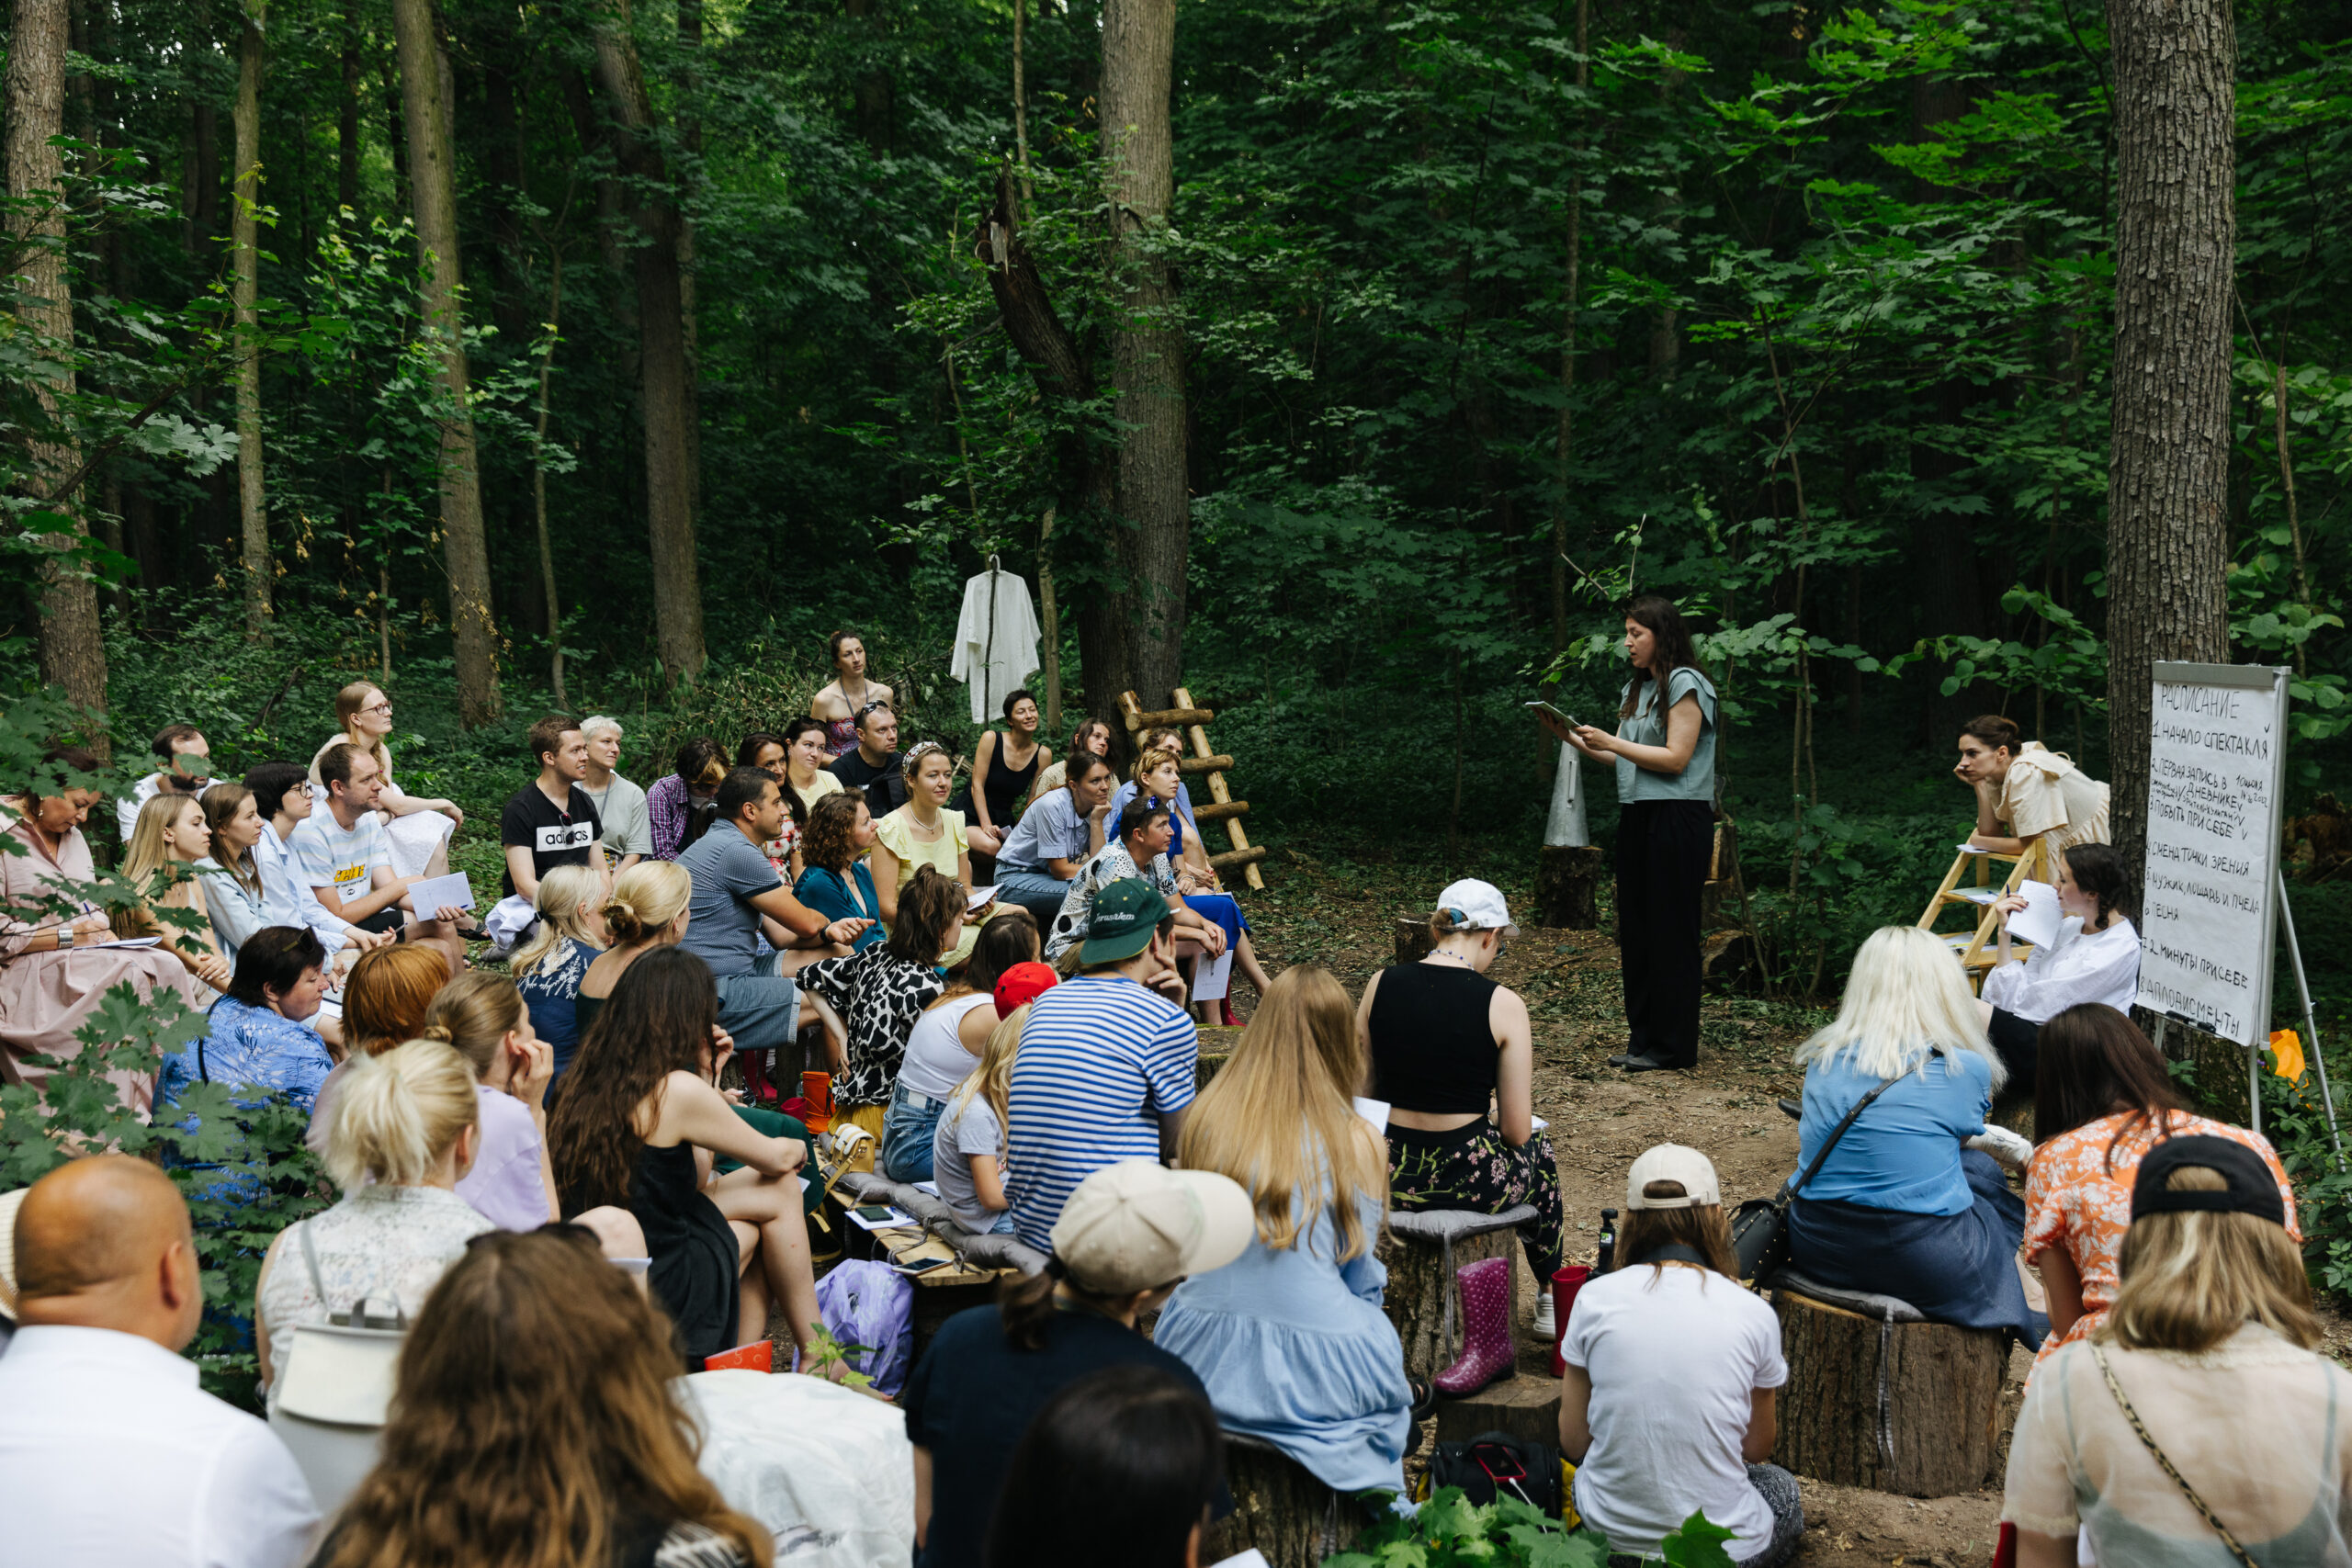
(737, 894)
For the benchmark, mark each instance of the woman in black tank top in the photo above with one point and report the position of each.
(1442, 1041)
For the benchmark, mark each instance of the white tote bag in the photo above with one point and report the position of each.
(330, 1405)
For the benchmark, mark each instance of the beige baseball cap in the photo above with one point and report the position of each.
(1137, 1226)
(1673, 1162)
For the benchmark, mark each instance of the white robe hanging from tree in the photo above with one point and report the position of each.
(996, 639)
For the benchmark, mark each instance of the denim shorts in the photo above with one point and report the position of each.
(907, 1129)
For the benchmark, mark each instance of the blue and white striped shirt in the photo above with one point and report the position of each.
(1101, 1060)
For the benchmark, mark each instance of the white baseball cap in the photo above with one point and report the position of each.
(1137, 1226)
(1478, 906)
(1673, 1162)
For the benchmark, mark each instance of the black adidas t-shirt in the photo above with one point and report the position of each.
(554, 838)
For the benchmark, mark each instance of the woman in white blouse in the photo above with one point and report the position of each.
(2095, 959)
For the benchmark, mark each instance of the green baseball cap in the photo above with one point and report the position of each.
(1126, 913)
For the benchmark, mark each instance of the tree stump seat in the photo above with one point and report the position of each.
(1423, 1251)
(1281, 1508)
(1881, 1397)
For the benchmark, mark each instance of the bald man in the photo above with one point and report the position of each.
(109, 1453)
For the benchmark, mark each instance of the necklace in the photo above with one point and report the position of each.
(1455, 957)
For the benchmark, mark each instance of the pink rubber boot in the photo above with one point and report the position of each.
(1487, 1352)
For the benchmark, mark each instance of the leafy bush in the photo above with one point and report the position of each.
(1450, 1531)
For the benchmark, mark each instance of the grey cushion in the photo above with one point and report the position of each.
(980, 1251)
(1456, 1225)
(1886, 1309)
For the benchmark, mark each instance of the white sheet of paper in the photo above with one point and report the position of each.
(899, 1220)
(1253, 1558)
(1375, 1112)
(2038, 922)
(929, 1187)
(980, 897)
(119, 942)
(1213, 977)
(330, 1006)
(1974, 850)
(435, 891)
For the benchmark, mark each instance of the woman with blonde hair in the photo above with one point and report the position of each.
(1667, 1406)
(402, 1131)
(233, 895)
(647, 910)
(418, 829)
(169, 838)
(1900, 1207)
(536, 1425)
(926, 831)
(1289, 1339)
(2199, 1426)
(549, 968)
(482, 1015)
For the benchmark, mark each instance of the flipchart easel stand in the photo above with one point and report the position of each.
(2202, 719)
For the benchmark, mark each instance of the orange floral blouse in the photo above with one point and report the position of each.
(2074, 1200)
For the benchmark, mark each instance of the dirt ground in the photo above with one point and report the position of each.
(1344, 917)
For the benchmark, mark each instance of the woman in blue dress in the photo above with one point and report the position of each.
(1289, 1339)
(833, 878)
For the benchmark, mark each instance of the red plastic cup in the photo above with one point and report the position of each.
(1565, 1283)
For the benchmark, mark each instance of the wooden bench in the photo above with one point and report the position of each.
(1878, 1397)
(1423, 1251)
(979, 1262)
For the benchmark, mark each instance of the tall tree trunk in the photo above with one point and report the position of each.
(72, 654)
(244, 225)
(1565, 440)
(432, 180)
(346, 126)
(669, 490)
(1147, 343)
(619, 286)
(2174, 67)
(690, 139)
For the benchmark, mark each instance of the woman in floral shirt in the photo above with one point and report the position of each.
(882, 990)
(2102, 1100)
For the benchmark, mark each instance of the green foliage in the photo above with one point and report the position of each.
(1450, 1531)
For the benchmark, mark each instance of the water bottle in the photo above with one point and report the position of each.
(1606, 1258)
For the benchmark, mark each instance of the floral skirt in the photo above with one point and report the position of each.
(1472, 1167)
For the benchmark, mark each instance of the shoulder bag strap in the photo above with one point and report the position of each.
(1839, 1132)
(2186, 1490)
(310, 1262)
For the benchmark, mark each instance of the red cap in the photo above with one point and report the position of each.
(1020, 984)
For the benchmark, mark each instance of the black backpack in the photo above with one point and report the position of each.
(1495, 1462)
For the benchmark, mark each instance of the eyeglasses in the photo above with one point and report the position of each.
(376, 707)
(877, 705)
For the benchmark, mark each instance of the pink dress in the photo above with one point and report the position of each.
(45, 997)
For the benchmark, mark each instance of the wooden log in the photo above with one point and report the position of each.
(1418, 1286)
(1568, 885)
(1943, 1396)
(1214, 1050)
(1216, 765)
(1219, 810)
(1525, 1405)
(1280, 1508)
(1232, 858)
(1170, 718)
(1412, 939)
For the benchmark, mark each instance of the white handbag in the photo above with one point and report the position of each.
(330, 1405)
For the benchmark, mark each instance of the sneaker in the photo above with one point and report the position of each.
(1547, 1325)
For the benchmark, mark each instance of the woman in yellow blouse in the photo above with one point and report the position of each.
(924, 831)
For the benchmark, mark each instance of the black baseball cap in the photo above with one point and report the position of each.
(1126, 913)
(2251, 1190)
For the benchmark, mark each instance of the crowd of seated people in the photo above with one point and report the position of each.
(707, 922)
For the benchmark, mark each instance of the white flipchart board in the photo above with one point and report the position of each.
(2216, 777)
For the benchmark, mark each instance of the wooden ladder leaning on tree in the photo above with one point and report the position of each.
(1222, 807)
(1976, 952)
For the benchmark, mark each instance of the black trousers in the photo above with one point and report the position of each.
(1663, 848)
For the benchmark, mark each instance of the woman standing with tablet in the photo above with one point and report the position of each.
(1664, 754)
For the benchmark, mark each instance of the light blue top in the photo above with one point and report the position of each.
(1052, 828)
(1647, 727)
(236, 911)
(249, 1046)
(1178, 820)
(1295, 1351)
(1902, 1153)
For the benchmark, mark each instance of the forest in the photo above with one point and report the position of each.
(1348, 361)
